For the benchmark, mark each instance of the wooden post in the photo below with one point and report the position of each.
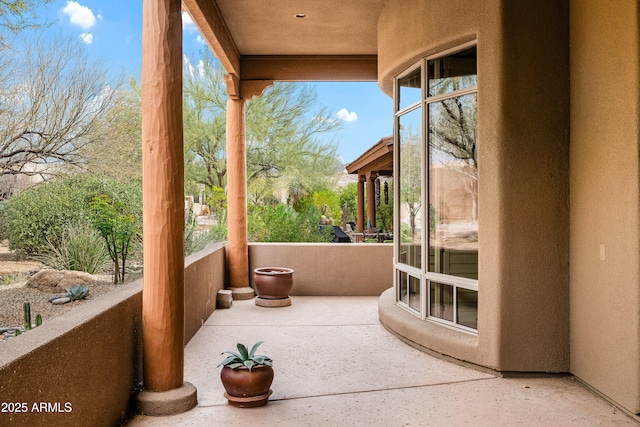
(163, 189)
(165, 391)
(361, 221)
(371, 199)
(237, 246)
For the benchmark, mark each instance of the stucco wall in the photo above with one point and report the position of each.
(338, 269)
(605, 133)
(523, 138)
(204, 276)
(91, 357)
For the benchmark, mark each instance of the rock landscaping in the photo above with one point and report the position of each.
(44, 289)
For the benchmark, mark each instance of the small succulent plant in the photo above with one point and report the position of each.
(77, 292)
(246, 358)
(26, 308)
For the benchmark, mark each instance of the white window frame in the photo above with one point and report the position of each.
(425, 277)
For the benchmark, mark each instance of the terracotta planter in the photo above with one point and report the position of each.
(272, 285)
(247, 389)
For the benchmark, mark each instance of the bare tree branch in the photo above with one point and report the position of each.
(55, 100)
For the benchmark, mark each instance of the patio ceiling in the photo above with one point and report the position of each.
(304, 40)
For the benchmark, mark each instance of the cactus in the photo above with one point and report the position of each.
(26, 307)
(17, 332)
(77, 292)
(38, 320)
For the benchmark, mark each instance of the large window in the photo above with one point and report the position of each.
(437, 162)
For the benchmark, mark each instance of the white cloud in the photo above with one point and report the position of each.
(347, 116)
(79, 15)
(86, 38)
(187, 63)
(200, 40)
(187, 23)
(201, 69)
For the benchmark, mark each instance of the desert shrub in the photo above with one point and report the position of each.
(281, 223)
(195, 240)
(384, 217)
(39, 215)
(119, 223)
(81, 248)
(349, 203)
(218, 232)
(3, 227)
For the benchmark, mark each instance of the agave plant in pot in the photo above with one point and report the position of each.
(246, 377)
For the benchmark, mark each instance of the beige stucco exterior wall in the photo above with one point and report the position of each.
(334, 269)
(523, 134)
(204, 275)
(605, 134)
(91, 357)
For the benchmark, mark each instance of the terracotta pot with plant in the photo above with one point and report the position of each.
(246, 377)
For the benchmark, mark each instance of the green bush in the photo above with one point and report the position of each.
(218, 233)
(349, 203)
(194, 240)
(281, 223)
(3, 227)
(81, 248)
(40, 214)
(119, 224)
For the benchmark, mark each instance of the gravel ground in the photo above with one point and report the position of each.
(12, 297)
(14, 272)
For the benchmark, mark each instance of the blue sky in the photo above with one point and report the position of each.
(111, 31)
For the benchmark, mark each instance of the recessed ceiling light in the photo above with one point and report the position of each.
(300, 15)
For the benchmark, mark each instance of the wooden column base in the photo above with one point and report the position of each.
(242, 293)
(280, 302)
(162, 403)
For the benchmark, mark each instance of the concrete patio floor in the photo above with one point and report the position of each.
(336, 365)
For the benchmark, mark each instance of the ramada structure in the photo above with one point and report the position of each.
(536, 104)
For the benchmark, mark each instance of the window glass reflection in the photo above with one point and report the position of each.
(414, 293)
(467, 307)
(410, 182)
(403, 287)
(441, 305)
(453, 72)
(453, 187)
(409, 89)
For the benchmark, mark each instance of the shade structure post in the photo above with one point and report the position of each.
(371, 200)
(360, 204)
(163, 213)
(237, 246)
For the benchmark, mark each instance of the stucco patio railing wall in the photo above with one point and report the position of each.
(82, 368)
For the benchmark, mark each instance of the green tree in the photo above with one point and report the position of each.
(118, 152)
(204, 112)
(410, 175)
(283, 129)
(18, 15)
(384, 212)
(349, 202)
(119, 225)
(283, 126)
(327, 202)
(216, 200)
